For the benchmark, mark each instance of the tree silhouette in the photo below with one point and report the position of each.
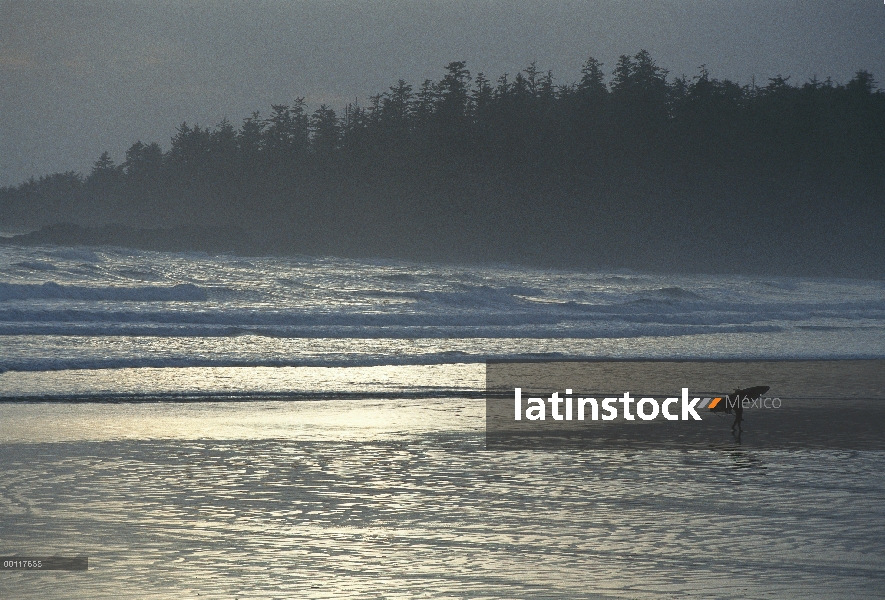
(466, 168)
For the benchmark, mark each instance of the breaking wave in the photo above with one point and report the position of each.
(103, 308)
(183, 292)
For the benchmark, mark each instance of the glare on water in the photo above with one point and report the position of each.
(310, 427)
(276, 499)
(315, 420)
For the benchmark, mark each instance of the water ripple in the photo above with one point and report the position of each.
(435, 515)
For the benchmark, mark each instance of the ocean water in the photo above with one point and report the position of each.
(73, 316)
(233, 427)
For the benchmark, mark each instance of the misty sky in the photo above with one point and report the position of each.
(77, 78)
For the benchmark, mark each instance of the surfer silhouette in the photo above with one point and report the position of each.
(738, 409)
(735, 402)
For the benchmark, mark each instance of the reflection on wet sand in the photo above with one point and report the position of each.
(410, 505)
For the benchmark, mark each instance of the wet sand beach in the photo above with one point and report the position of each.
(399, 498)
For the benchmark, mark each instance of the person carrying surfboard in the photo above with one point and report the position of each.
(735, 402)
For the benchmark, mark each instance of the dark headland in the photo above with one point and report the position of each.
(625, 168)
(181, 238)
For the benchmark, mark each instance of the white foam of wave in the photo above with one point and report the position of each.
(462, 313)
(35, 265)
(54, 291)
(60, 353)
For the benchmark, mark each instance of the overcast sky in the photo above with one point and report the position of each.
(77, 78)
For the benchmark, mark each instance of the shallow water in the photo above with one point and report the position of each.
(398, 498)
(390, 492)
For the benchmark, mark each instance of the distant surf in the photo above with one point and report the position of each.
(102, 308)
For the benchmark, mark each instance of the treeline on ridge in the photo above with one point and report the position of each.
(637, 169)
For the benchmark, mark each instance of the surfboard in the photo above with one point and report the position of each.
(728, 400)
